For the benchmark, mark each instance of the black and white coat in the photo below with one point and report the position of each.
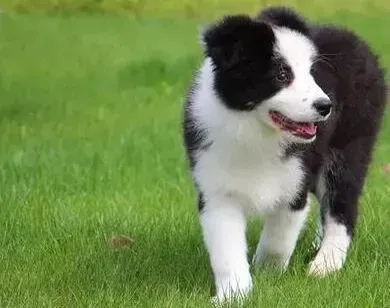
(244, 163)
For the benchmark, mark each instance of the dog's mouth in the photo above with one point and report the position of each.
(305, 130)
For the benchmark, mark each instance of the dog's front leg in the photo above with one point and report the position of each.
(280, 234)
(224, 223)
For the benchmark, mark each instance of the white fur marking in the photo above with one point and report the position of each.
(334, 248)
(295, 101)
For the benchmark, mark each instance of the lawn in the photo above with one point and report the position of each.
(90, 148)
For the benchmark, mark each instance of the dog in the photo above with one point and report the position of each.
(280, 109)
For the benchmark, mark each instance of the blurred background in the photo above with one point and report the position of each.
(191, 9)
(97, 208)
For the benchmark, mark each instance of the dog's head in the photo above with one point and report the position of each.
(264, 68)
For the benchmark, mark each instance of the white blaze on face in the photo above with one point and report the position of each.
(296, 100)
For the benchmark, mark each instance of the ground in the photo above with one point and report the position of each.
(90, 148)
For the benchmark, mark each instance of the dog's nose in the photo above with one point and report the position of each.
(323, 106)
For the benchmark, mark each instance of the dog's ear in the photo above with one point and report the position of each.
(284, 17)
(237, 38)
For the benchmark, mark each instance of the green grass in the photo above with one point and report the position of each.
(90, 147)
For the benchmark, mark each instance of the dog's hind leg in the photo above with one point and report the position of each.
(338, 189)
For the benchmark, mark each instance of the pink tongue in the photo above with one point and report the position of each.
(307, 129)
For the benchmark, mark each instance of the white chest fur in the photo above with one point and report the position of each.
(257, 177)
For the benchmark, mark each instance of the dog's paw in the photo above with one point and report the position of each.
(271, 260)
(220, 302)
(233, 289)
(326, 262)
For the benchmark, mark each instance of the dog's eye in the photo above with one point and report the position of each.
(283, 76)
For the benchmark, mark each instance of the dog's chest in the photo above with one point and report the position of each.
(259, 180)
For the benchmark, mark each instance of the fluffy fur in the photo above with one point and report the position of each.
(259, 74)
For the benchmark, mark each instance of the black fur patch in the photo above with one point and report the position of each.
(245, 66)
(300, 199)
(201, 202)
(285, 17)
(194, 136)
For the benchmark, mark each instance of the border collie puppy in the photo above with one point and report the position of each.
(279, 109)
